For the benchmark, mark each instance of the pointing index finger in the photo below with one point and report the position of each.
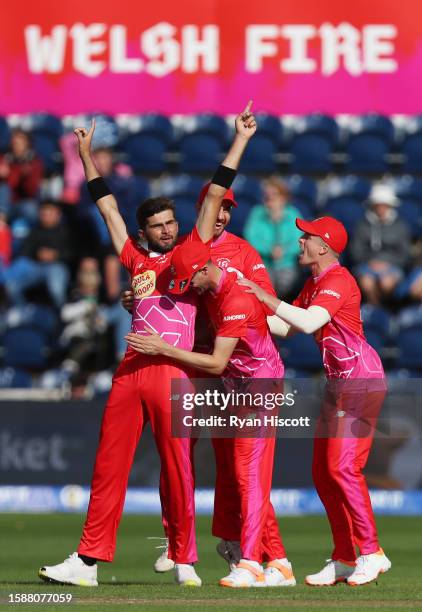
(248, 108)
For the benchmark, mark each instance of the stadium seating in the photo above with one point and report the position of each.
(300, 352)
(247, 191)
(12, 378)
(46, 131)
(411, 145)
(409, 191)
(303, 194)
(25, 347)
(344, 198)
(202, 143)
(368, 143)
(409, 338)
(4, 134)
(261, 153)
(376, 325)
(145, 149)
(312, 144)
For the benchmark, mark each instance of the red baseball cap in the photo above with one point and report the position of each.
(229, 195)
(329, 229)
(186, 260)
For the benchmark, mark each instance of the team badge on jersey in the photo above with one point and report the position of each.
(143, 284)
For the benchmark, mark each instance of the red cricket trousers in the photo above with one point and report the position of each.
(140, 393)
(341, 448)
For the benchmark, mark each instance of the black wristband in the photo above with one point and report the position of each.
(224, 176)
(98, 188)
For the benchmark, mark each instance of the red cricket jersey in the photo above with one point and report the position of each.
(237, 314)
(345, 351)
(170, 316)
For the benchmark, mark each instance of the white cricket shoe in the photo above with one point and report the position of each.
(230, 551)
(72, 571)
(246, 574)
(369, 567)
(163, 563)
(185, 575)
(279, 573)
(333, 572)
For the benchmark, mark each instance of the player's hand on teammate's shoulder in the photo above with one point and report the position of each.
(245, 122)
(84, 137)
(251, 287)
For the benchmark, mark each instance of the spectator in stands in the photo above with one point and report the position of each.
(85, 329)
(272, 230)
(21, 173)
(380, 248)
(43, 258)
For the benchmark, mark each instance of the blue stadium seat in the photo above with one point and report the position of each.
(247, 191)
(200, 153)
(46, 131)
(303, 194)
(409, 338)
(4, 134)
(147, 147)
(376, 325)
(202, 143)
(312, 143)
(260, 155)
(185, 214)
(344, 198)
(40, 317)
(411, 213)
(411, 145)
(207, 123)
(408, 188)
(25, 347)
(11, 378)
(346, 210)
(409, 342)
(369, 141)
(139, 192)
(300, 352)
(182, 186)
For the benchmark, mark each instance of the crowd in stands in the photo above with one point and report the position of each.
(60, 281)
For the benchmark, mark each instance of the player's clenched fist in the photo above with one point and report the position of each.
(84, 137)
(245, 122)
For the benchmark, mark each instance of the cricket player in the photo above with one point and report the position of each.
(329, 307)
(234, 254)
(244, 349)
(133, 398)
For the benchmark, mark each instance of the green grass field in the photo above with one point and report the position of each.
(28, 541)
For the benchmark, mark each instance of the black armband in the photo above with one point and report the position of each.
(224, 176)
(98, 188)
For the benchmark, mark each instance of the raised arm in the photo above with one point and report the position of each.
(245, 128)
(104, 199)
(153, 344)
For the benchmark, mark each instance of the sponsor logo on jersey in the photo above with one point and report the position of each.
(330, 292)
(143, 284)
(260, 266)
(223, 262)
(237, 317)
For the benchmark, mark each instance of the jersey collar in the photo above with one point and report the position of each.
(220, 239)
(324, 272)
